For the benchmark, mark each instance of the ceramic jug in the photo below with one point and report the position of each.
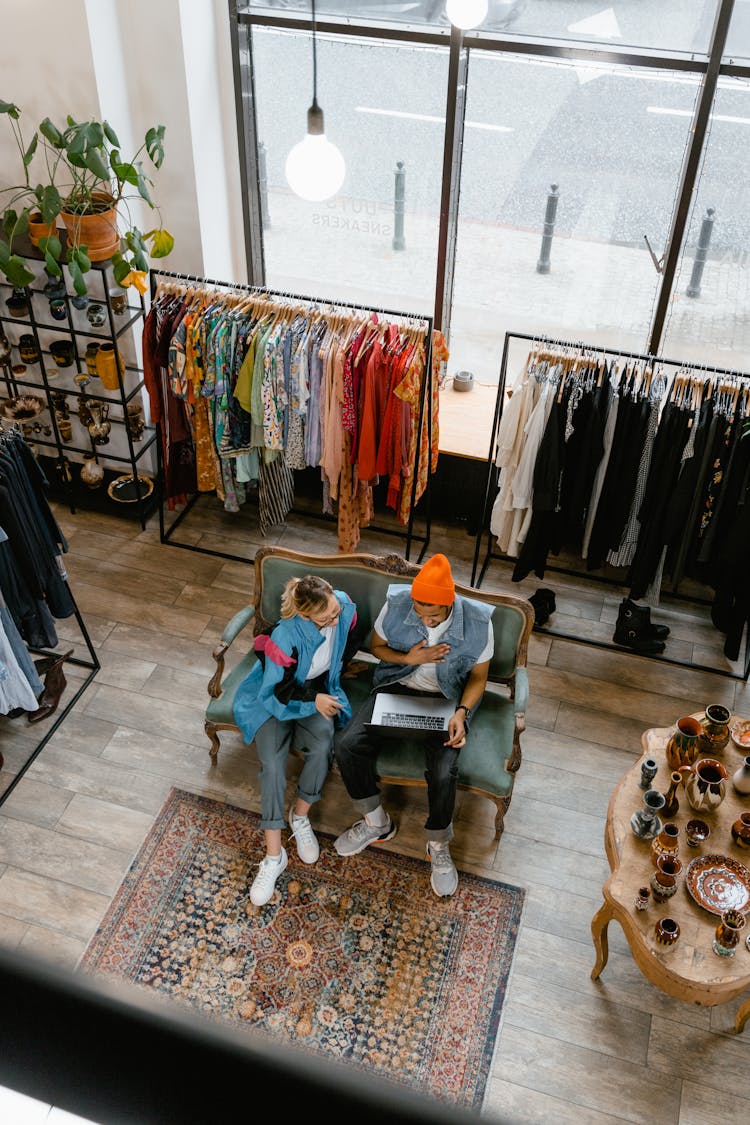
(706, 785)
(684, 744)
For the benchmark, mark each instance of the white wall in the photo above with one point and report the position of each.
(139, 63)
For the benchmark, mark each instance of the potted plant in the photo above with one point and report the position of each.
(78, 174)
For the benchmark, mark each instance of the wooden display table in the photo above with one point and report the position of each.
(688, 970)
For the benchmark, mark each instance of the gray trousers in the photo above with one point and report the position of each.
(273, 740)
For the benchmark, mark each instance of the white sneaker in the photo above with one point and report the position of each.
(308, 848)
(444, 878)
(264, 882)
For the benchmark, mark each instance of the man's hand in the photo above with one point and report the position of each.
(353, 669)
(327, 705)
(422, 653)
(456, 730)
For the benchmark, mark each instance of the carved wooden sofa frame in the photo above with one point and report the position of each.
(492, 755)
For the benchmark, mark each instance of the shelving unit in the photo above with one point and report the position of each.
(127, 450)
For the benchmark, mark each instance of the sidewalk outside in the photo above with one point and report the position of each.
(596, 293)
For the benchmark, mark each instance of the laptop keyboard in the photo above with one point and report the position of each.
(422, 722)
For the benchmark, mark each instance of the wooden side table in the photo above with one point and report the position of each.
(689, 970)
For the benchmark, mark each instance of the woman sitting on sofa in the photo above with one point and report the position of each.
(293, 695)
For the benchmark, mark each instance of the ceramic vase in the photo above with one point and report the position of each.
(666, 843)
(108, 366)
(706, 785)
(18, 303)
(671, 800)
(645, 823)
(684, 743)
(664, 879)
(648, 772)
(728, 933)
(741, 779)
(642, 899)
(741, 831)
(92, 474)
(715, 723)
(667, 932)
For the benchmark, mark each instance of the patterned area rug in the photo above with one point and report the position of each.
(353, 958)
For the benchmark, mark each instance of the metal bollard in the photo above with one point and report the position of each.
(694, 288)
(265, 218)
(542, 265)
(399, 196)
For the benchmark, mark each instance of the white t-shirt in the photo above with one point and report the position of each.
(424, 676)
(321, 660)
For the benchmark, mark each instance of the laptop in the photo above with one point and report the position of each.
(416, 714)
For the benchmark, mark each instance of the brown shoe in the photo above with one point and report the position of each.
(46, 663)
(54, 686)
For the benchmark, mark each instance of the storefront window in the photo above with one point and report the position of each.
(384, 107)
(670, 25)
(708, 320)
(599, 149)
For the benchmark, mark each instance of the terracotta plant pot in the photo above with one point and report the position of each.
(39, 229)
(97, 232)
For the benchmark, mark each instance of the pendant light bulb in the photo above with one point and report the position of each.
(315, 168)
(466, 14)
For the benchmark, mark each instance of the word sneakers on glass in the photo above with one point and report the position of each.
(356, 838)
(444, 878)
(308, 848)
(264, 882)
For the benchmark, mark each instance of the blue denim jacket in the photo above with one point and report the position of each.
(255, 700)
(466, 634)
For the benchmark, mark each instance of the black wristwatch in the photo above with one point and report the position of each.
(465, 709)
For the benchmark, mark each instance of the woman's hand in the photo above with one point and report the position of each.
(327, 705)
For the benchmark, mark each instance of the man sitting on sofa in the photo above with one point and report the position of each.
(428, 641)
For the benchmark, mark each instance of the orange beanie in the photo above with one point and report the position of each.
(434, 584)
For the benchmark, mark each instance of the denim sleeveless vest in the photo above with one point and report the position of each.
(466, 634)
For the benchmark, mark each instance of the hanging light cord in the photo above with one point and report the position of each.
(315, 59)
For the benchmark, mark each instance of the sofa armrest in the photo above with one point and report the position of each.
(520, 691)
(231, 631)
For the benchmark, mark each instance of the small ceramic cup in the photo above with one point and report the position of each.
(696, 831)
(62, 352)
(96, 315)
(667, 932)
(118, 299)
(58, 309)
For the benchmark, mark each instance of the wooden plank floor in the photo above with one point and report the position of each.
(569, 1049)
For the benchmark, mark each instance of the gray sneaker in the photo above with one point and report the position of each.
(444, 878)
(356, 838)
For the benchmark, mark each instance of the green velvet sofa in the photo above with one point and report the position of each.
(492, 755)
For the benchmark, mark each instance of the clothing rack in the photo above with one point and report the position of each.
(425, 402)
(483, 515)
(92, 666)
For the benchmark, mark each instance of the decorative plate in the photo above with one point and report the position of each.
(22, 408)
(123, 489)
(718, 883)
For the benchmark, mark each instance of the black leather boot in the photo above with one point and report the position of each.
(634, 629)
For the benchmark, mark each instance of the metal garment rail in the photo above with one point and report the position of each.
(483, 518)
(425, 395)
(62, 713)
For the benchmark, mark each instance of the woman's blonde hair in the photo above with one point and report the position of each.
(309, 595)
